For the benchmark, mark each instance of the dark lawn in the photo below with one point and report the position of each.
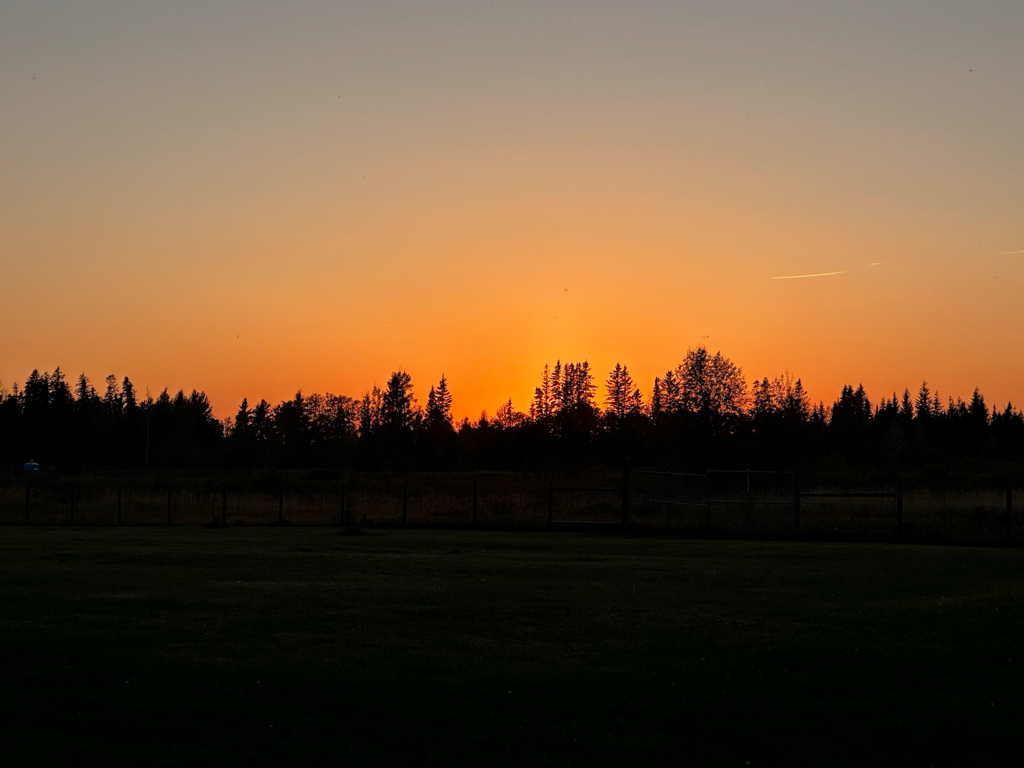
(131, 646)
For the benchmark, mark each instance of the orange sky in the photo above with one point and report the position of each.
(252, 201)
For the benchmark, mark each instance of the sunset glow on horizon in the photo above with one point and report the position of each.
(252, 200)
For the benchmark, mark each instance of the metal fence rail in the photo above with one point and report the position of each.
(439, 501)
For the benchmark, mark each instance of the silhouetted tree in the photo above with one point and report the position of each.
(699, 413)
(656, 400)
(507, 417)
(542, 407)
(621, 392)
(438, 416)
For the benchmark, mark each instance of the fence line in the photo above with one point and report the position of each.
(461, 505)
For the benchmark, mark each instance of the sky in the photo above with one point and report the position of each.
(251, 198)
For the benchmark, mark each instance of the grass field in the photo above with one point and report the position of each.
(289, 645)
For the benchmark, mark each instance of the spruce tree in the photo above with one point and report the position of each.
(128, 396)
(656, 402)
(557, 395)
(242, 420)
(444, 402)
(923, 406)
(615, 397)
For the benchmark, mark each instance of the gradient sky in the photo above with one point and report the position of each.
(251, 197)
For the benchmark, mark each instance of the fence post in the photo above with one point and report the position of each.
(551, 502)
(28, 501)
(750, 501)
(224, 508)
(899, 511)
(707, 501)
(796, 502)
(474, 500)
(625, 492)
(119, 506)
(169, 492)
(280, 505)
(405, 502)
(341, 514)
(1009, 513)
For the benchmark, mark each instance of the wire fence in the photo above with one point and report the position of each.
(717, 502)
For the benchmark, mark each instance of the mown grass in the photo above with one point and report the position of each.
(241, 645)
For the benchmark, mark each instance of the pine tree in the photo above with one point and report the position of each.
(365, 416)
(243, 419)
(906, 407)
(432, 415)
(60, 392)
(112, 401)
(620, 389)
(636, 403)
(128, 396)
(797, 404)
(84, 392)
(673, 400)
(656, 402)
(585, 387)
(977, 409)
(444, 402)
(36, 394)
(557, 395)
(764, 404)
(262, 422)
(397, 405)
(541, 407)
(370, 411)
(923, 406)
(615, 399)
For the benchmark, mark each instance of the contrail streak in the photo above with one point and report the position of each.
(1010, 253)
(798, 277)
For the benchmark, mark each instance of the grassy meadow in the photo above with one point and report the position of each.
(287, 645)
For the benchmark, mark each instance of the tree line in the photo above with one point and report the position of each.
(700, 413)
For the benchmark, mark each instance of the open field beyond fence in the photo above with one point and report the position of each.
(730, 505)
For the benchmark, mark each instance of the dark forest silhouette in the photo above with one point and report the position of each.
(700, 413)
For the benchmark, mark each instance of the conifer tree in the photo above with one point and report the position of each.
(636, 403)
(923, 406)
(262, 423)
(128, 397)
(243, 419)
(541, 407)
(763, 399)
(977, 409)
(673, 402)
(906, 407)
(620, 392)
(444, 402)
(60, 393)
(112, 397)
(797, 405)
(398, 401)
(557, 401)
(615, 397)
(656, 401)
